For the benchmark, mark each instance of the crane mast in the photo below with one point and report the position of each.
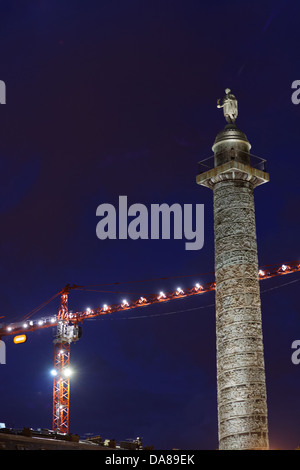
(66, 333)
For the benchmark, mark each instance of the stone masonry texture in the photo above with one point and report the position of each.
(242, 401)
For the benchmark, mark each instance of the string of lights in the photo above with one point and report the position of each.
(28, 324)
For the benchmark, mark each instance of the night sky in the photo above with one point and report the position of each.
(109, 98)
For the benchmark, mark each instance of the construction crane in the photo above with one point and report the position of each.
(69, 330)
(66, 333)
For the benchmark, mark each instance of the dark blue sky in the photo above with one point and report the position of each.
(119, 98)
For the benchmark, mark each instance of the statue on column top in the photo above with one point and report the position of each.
(230, 107)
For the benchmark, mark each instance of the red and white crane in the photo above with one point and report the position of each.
(69, 329)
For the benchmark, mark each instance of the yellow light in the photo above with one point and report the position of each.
(20, 339)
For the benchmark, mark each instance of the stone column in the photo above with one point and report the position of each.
(242, 401)
(242, 405)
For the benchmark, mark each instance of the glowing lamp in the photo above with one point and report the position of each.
(20, 339)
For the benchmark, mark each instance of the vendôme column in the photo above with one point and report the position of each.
(242, 400)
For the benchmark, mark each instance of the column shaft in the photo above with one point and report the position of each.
(242, 404)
